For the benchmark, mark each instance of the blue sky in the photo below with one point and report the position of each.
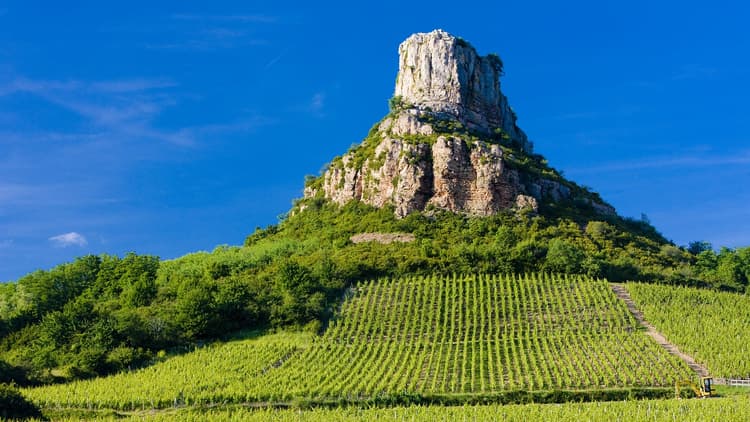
(170, 127)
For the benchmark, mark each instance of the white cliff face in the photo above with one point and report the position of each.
(412, 162)
(445, 74)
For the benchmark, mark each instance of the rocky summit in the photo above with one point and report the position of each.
(443, 73)
(450, 142)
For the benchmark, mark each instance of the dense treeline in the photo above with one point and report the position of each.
(101, 314)
(567, 239)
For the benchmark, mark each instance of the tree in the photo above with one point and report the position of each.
(563, 257)
(729, 269)
(706, 263)
(397, 103)
(301, 297)
(698, 246)
(744, 257)
(195, 311)
(141, 291)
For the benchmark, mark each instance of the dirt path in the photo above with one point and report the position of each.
(623, 294)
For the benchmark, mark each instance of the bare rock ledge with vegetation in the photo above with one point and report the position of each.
(450, 142)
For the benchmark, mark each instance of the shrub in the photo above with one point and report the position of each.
(15, 406)
(397, 103)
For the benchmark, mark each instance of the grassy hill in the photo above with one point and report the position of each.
(423, 339)
(713, 327)
(461, 340)
(216, 373)
(477, 334)
(721, 409)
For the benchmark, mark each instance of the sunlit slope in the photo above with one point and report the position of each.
(427, 336)
(478, 334)
(718, 409)
(711, 326)
(212, 374)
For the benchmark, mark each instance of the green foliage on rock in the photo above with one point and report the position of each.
(397, 103)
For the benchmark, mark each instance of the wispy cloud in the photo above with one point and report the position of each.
(692, 161)
(687, 72)
(55, 89)
(314, 105)
(131, 85)
(45, 87)
(13, 193)
(579, 115)
(242, 125)
(271, 63)
(31, 197)
(116, 112)
(695, 71)
(210, 33)
(68, 239)
(209, 44)
(256, 18)
(116, 108)
(317, 102)
(624, 111)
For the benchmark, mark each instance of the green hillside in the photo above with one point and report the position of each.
(721, 409)
(477, 334)
(101, 314)
(104, 315)
(421, 339)
(713, 327)
(217, 373)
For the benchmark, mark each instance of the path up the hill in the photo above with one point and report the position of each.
(623, 294)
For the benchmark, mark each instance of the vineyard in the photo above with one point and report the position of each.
(713, 327)
(428, 335)
(477, 334)
(197, 377)
(735, 408)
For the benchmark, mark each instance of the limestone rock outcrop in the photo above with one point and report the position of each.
(443, 73)
(450, 143)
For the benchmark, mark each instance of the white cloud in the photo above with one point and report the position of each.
(246, 18)
(68, 239)
(314, 105)
(51, 87)
(118, 109)
(131, 85)
(276, 59)
(210, 33)
(695, 71)
(317, 103)
(692, 161)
